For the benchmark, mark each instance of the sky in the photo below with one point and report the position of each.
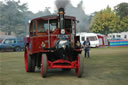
(89, 6)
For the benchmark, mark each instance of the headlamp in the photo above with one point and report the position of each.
(62, 31)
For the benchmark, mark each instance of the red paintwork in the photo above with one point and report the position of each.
(42, 65)
(26, 53)
(26, 60)
(58, 64)
(77, 68)
(33, 43)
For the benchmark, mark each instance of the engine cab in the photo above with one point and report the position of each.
(51, 33)
(55, 38)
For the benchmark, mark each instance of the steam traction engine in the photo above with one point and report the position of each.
(52, 44)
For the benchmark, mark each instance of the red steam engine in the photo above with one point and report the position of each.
(53, 44)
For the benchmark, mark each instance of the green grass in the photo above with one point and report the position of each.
(107, 66)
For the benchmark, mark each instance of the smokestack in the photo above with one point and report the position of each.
(61, 5)
(61, 17)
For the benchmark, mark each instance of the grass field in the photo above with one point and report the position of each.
(107, 66)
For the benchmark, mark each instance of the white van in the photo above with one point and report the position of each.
(94, 41)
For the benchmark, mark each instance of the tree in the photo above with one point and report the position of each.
(121, 9)
(12, 17)
(124, 24)
(105, 21)
(1, 6)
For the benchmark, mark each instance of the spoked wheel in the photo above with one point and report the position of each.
(44, 65)
(80, 68)
(29, 61)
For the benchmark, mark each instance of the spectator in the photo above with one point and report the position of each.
(86, 45)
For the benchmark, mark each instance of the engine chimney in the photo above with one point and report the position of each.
(61, 17)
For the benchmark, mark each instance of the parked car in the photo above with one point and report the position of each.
(15, 44)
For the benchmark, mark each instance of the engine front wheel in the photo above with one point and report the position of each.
(29, 61)
(44, 65)
(80, 68)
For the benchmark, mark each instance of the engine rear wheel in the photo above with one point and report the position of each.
(29, 61)
(80, 68)
(44, 67)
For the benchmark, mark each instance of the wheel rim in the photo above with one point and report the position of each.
(80, 66)
(77, 68)
(26, 59)
(44, 72)
(41, 66)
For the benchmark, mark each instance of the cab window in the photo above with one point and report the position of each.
(33, 28)
(68, 25)
(53, 25)
(42, 26)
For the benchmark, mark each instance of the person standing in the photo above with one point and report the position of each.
(86, 45)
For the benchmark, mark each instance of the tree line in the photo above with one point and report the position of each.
(110, 21)
(14, 17)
